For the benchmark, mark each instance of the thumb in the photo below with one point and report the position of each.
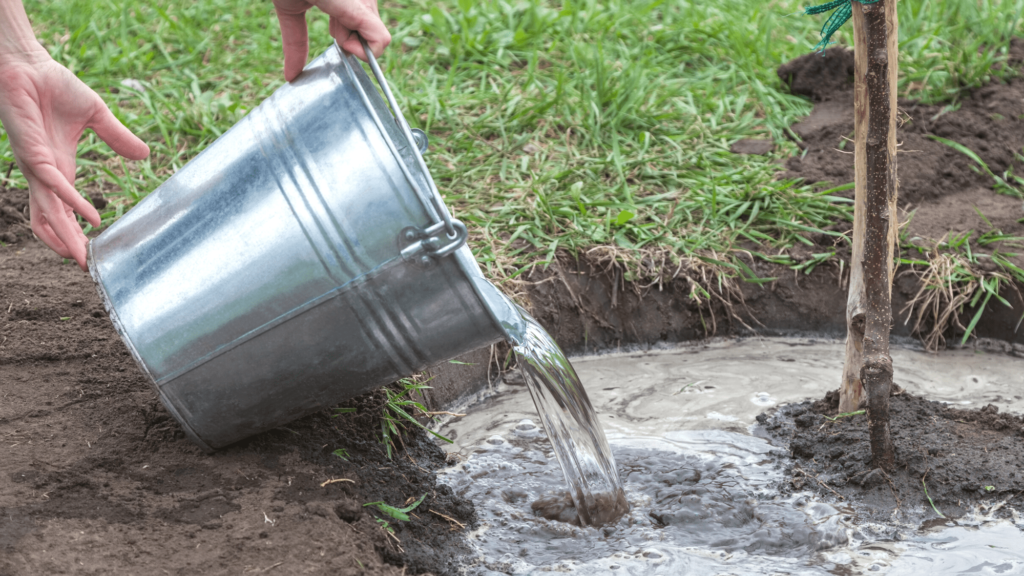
(119, 138)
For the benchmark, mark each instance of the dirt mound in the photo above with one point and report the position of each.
(939, 187)
(95, 471)
(820, 77)
(965, 457)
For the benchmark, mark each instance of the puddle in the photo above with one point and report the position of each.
(700, 487)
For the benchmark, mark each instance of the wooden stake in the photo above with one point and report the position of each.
(867, 375)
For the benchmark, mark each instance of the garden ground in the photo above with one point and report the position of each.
(592, 157)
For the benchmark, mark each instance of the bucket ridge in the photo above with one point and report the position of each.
(266, 279)
(285, 154)
(294, 313)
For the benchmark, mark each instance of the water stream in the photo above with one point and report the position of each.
(595, 495)
(701, 489)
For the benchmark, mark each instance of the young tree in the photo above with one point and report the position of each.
(868, 368)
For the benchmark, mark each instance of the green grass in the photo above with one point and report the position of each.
(925, 486)
(555, 126)
(395, 512)
(1008, 183)
(845, 414)
(400, 410)
(961, 273)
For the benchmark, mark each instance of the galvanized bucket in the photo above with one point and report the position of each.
(303, 258)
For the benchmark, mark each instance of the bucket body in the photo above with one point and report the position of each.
(301, 259)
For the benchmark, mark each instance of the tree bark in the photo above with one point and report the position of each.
(867, 374)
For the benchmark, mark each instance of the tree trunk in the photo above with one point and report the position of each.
(867, 375)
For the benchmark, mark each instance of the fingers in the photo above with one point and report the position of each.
(371, 29)
(295, 41)
(116, 135)
(55, 225)
(51, 178)
(362, 16)
(66, 229)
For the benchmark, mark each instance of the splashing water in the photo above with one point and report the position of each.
(595, 495)
(572, 427)
(704, 494)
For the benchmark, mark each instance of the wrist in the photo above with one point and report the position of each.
(17, 41)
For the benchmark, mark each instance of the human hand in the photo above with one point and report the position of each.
(347, 17)
(45, 109)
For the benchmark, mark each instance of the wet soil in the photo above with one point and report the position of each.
(97, 478)
(965, 457)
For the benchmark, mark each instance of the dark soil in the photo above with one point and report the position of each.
(965, 457)
(14, 225)
(939, 187)
(97, 478)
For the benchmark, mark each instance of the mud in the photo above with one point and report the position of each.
(964, 457)
(704, 494)
(97, 478)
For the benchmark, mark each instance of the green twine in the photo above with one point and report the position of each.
(843, 12)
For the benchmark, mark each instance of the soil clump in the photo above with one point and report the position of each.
(97, 478)
(965, 457)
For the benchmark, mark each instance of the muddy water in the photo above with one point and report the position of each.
(701, 488)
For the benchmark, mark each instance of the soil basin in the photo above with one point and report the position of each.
(708, 494)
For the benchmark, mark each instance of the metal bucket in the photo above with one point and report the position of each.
(303, 258)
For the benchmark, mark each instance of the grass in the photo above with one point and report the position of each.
(400, 410)
(925, 486)
(573, 126)
(958, 273)
(961, 271)
(845, 415)
(401, 514)
(397, 513)
(1008, 183)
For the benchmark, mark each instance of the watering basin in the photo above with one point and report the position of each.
(703, 491)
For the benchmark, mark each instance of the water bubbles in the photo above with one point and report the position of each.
(763, 399)
(527, 429)
(685, 508)
(496, 441)
(653, 554)
(720, 416)
(701, 501)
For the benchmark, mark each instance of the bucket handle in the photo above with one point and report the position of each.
(435, 197)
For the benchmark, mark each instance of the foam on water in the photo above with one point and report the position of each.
(702, 491)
